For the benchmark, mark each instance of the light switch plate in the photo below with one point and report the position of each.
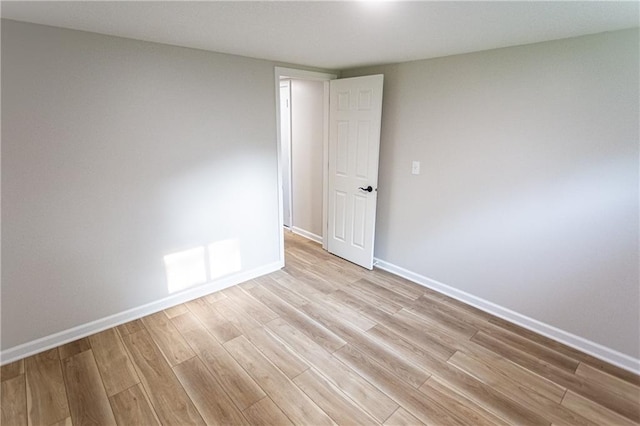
(415, 168)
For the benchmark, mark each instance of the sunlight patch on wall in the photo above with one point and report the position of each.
(185, 269)
(224, 258)
(195, 266)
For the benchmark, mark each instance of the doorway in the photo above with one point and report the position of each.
(302, 113)
(301, 103)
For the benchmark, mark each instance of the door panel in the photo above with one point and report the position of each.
(359, 221)
(362, 150)
(355, 109)
(339, 228)
(342, 148)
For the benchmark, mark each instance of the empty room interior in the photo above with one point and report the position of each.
(350, 212)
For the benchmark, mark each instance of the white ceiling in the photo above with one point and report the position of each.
(335, 35)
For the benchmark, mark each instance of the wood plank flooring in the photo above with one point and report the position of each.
(319, 342)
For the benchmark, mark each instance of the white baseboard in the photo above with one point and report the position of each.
(306, 234)
(592, 348)
(66, 336)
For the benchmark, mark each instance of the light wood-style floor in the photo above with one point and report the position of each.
(320, 342)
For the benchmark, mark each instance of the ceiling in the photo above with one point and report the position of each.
(335, 35)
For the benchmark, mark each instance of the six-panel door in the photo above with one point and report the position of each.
(355, 109)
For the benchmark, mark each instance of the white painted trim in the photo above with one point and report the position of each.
(288, 193)
(592, 348)
(325, 165)
(279, 166)
(304, 74)
(306, 234)
(66, 336)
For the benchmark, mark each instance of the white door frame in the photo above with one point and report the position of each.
(281, 72)
(285, 153)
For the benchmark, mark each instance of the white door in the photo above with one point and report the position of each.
(355, 111)
(285, 146)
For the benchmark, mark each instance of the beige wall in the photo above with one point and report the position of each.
(307, 99)
(116, 153)
(528, 196)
